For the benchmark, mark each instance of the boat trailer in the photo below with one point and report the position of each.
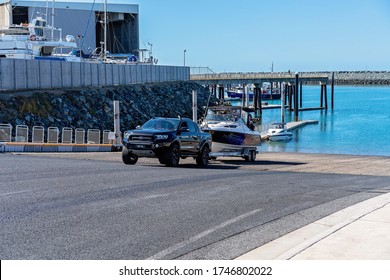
(247, 153)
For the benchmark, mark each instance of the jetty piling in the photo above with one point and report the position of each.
(332, 89)
(300, 94)
(221, 92)
(296, 96)
(326, 96)
(290, 96)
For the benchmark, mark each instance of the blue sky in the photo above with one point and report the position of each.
(250, 35)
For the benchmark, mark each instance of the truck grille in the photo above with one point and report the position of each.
(141, 138)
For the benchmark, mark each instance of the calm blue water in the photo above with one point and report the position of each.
(359, 124)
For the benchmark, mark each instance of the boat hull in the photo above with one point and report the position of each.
(264, 96)
(280, 137)
(227, 141)
(233, 94)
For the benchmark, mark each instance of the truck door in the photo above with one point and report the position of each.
(186, 139)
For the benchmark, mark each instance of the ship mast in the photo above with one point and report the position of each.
(105, 31)
(52, 20)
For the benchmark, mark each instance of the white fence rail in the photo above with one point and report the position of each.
(38, 134)
(93, 136)
(5, 132)
(21, 133)
(67, 135)
(79, 136)
(53, 135)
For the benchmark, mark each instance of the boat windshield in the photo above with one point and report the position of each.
(224, 116)
(161, 124)
(277, 125)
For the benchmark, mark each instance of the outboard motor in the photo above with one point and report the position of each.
(132, 58)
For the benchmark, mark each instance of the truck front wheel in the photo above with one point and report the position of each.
(172, 155)
(128, 158)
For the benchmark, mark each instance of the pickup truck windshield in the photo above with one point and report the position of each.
(161, 124)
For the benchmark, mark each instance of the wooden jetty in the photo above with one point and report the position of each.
(290, 84)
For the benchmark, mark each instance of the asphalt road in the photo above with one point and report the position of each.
(74, 208)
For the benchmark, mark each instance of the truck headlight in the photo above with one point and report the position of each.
(161, 136)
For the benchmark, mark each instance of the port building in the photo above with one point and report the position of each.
(81, 18)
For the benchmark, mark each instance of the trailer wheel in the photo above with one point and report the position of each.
(251, 157)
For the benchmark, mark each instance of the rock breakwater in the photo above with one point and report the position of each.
(356, 77)
(93, 107)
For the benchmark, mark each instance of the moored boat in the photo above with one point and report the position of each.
(36, 41)
(266, 92)
(279, 132)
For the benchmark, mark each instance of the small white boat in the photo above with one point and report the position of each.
(279, 132)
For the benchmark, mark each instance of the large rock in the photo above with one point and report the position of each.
(93, 107)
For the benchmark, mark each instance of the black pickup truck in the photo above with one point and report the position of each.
(168, 139)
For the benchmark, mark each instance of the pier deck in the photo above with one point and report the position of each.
(254, 78)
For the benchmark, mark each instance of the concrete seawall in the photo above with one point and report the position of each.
(19, 74)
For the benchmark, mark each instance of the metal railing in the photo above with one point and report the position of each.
(38, 134)
(79, 136)
(105, 139)
(5, 132)
(200, 70)
(21, 133)
(53, 135)
(67, 135)
(93, 136)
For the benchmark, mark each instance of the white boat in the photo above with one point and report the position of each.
(36, 41)
(229, 131)
(279, 132)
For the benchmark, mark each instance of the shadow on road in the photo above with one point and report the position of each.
(262, 162)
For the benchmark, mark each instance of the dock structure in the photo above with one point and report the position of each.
(289, 83)
(254, 78)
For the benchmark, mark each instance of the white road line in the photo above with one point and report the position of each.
(12, 193)
(195, 238)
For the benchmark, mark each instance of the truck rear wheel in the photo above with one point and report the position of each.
(203, 158)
